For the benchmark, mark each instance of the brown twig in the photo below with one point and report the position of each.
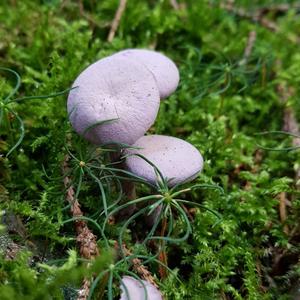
(284, 7)
(174, 4)
(254, 17)
(93, 23)
(249, 47)
(258, 16)
(86, 240)
(282, 211)
(116, 21)
(291, 125)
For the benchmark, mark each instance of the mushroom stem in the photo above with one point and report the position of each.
(162, 256)
(130, 194)
(128, 188)
(150, 219)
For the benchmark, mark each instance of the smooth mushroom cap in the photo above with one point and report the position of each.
(113, 88)
(163, 69)
(136, 290)
(178, 160)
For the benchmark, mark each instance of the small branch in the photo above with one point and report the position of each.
(86, 240)
(254, 17)
(282, 211)
(174, 4)
(281, 8)
(291, 125)
(258, 16)
(116, 21)
(250, 43)
(93, 23)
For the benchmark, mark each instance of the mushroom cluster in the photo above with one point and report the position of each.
(117, 100)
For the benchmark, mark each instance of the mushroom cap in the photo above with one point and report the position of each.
(113, 88)
(136, 290)
(178, 160)
(163, 69)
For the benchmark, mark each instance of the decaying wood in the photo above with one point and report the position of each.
(86, 240)
(116, 21)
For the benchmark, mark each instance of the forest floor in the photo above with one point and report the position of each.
(237, 103)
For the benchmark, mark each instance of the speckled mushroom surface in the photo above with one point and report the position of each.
(136, 290)
(178, 160)
(163, 69)
(114, 88)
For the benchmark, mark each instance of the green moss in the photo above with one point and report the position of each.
(219, 107)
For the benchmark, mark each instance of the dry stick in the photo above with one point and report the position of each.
(116, 21)
(249, 47)
(174, 4)
(93, 23)
(255, 17)
(247, 53)
(86, 240)
(279, 8)
(290, 125)
(282, 211)
(259, 16)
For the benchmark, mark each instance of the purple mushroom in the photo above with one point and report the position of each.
(178, 161)
(117, 89)
(163, 69)
(136, 290)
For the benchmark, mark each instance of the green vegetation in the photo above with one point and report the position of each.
(228, 237)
